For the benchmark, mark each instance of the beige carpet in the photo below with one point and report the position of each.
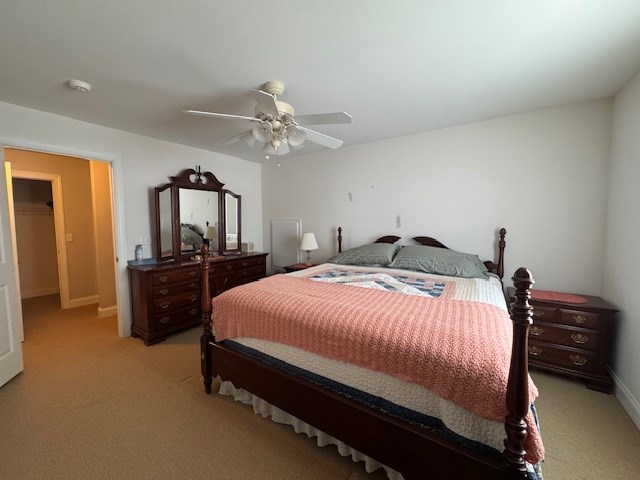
(90, 405)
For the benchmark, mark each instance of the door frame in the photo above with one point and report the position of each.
(58, 221)
(118, 213)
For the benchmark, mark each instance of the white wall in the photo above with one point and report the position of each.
(146, 162)
(542, 175)
(621, 263)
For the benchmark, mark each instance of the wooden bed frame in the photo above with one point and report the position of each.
(414, 451)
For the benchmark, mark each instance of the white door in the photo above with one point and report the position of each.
(10, 345)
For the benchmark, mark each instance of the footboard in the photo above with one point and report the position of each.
(409, 449)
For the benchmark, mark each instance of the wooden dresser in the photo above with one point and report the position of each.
(573, 339)
(165, 296)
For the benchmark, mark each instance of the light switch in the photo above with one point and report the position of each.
(69, 237)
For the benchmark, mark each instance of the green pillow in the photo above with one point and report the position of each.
(370, 255)
(441, 261)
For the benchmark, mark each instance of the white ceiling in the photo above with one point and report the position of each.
(398, 67)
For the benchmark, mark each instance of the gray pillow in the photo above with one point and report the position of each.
(440, 261)
(370, 255)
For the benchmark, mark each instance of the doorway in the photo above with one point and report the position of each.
(83, 244)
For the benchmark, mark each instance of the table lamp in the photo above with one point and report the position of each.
(308, 243)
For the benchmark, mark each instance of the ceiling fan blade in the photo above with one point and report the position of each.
(266, 102)
(322, 139)
(222, 115)
(324, 118)
(246, 137)
(225, 142)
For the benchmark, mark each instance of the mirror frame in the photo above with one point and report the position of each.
(193, 180)
(158, 191)
(238, 249)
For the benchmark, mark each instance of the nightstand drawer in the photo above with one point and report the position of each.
(579, 360)
(587, 339)
(579, 319)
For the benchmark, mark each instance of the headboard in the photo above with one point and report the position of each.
(385, 239)
(497, 268)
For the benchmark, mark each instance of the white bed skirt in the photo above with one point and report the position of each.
(265, 409)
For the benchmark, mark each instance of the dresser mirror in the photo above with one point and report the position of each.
(191, 211)
(231, 208)
(164, 222)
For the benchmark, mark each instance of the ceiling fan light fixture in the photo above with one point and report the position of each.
(296, 136)
(263, 132)
(268, 149)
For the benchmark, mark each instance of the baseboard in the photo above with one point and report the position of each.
(82, 301)
(628, 401)
(107, 311)
(38, 293)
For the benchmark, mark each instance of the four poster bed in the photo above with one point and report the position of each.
(253, 349)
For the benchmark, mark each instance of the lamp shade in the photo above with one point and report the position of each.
(211, 233)
(308, 242)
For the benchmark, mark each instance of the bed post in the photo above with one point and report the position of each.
(339, 239)
(205, 364)
(501, 245)
(518, 383)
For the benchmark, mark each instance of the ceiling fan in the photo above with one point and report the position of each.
(276, 126)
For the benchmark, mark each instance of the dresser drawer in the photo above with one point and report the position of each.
(579, 360)
(175, 288)
(251, 262)
(579, 319)
(587, 339)
(176, 317)
(249, 274)
(226, 280)
(185, 299)
(225, 267)
(544, 314)
(175, 276)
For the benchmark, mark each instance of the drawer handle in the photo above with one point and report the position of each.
(244, 274)
(580, 319)
(165, 319)
(193, 273)
(193, 297)
(229, 267)
(193, 285)
(163, 279)
(538, 313)
(164, 291)
(578, 360)
(244, 264)
(536, 331)
(165, 304)
(535, 350)
(579, 338)
(193, 311)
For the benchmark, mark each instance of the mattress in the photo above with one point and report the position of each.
(396, 396)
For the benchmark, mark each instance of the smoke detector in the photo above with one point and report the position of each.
(79, 85)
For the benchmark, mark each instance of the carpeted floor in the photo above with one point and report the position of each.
(90, 405)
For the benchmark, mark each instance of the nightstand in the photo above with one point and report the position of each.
(296, 267)
(571, 335)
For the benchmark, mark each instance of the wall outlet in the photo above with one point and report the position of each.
(69, 237)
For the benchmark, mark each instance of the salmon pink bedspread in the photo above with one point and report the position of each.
(460, 350)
